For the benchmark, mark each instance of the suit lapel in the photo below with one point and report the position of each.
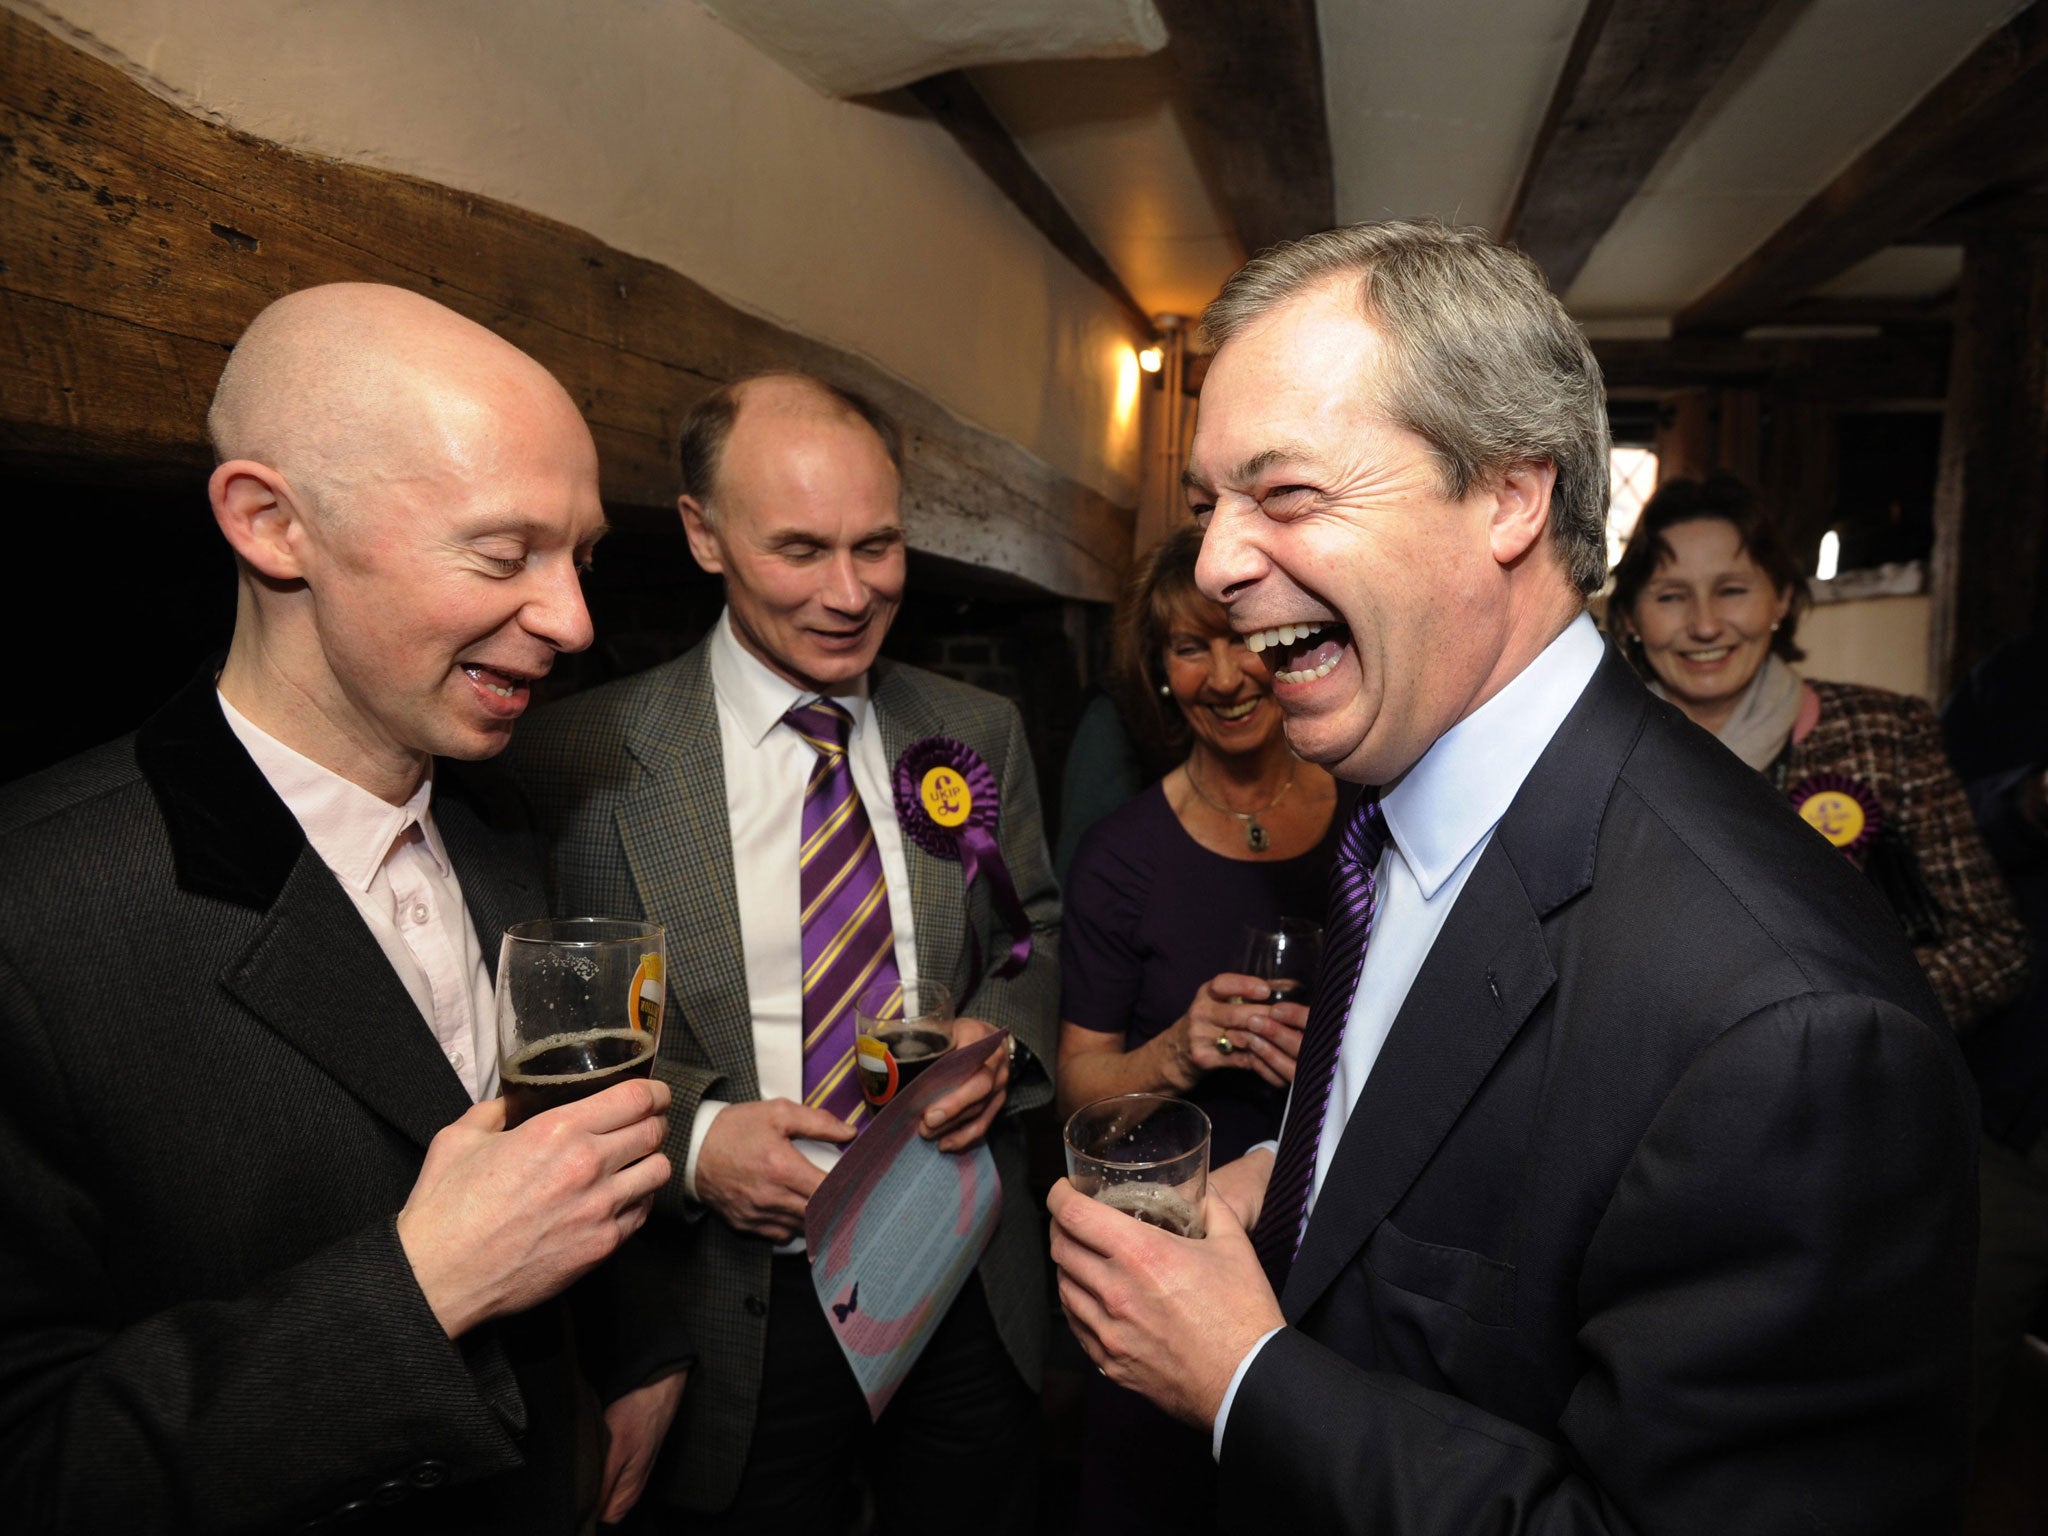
(677, 837)
(316, 976)
(499, 886)
(937, 897)
(1484, 976)
(1456, 1021)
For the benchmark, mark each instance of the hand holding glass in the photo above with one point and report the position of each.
(1144, 1154)
(579, 1009)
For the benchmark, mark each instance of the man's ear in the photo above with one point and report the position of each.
(704, 547)
(1521, 509)
(260, 516)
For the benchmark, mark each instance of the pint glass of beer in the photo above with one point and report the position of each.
(902, 1029)
(1145, 1154)
(579, 1008)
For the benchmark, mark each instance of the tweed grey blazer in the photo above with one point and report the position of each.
(628, 781)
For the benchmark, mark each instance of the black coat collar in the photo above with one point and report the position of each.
(232, 836)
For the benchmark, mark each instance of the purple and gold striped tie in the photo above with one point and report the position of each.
(1354, 884)
(849, 939)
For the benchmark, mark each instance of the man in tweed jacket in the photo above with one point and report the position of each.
(669, 795)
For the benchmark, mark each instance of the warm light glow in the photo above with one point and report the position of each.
(1632, 477)
(1151, 359)
(1127, 366)
(1830, 556)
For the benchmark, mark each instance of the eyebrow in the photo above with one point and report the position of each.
(1252, 467)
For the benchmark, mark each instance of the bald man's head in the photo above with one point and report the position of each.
(410, 498)
(339, 386)
(777, 400)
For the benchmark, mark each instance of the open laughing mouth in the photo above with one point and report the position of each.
(501, 690)
(1301, 653)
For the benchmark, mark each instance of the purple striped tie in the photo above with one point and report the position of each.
(1353, 884)
(849, 939)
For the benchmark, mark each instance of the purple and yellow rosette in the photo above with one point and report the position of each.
(946, 801)
(1841, 809)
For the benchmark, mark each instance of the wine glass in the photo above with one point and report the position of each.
(579, 1008)
(1287, 957)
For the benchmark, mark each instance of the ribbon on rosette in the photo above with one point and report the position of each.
(946, 800)
(1844, 811)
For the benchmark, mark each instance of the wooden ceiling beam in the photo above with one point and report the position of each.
(960, 109)
(1910, 366)
(1984, 126)
(1636, 73)
(1254, 75)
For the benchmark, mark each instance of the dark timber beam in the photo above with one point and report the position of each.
(958, 107)
(1254, 74)
(1910, 366)
(1637, 71)
(1983, 126)
(141, 240)
(1989, 572)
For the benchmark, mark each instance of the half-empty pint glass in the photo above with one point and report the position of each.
(1144, 1154)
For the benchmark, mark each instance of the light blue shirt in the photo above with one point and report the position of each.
(1440, 817)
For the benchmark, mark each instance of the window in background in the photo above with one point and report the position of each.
(1634, 478)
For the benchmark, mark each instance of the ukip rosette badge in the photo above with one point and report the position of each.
(1840, 809)
(946, 802)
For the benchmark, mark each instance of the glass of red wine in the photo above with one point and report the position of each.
(1286, 957)
(903, 1028)
(579, 1008)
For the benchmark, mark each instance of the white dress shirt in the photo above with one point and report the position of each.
(1440, 817)
(767, 766)
(392, 862)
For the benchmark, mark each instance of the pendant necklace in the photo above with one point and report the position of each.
(1255, 837)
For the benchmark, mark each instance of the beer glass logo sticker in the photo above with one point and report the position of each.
(1840, 809)
(644, 1009)
(878, 1075)
(947, 799)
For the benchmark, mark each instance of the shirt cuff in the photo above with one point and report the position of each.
(707, 1111)
(1272, 1146)
(1230, 1394)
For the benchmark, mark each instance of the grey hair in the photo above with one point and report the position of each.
(1486, 366)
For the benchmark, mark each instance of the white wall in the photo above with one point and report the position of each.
(651, 126)
(1879, 641)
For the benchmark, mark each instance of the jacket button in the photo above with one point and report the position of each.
(757, 1306)
(429, 1474)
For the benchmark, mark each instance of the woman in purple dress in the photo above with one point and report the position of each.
(1158, 903)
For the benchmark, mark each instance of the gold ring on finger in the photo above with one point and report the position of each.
(1223, 1045)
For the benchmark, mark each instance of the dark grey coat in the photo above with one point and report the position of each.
(217, 1096)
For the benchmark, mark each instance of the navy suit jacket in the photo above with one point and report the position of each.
(1657, 1212)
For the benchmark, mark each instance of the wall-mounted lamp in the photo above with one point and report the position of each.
(1152, 359)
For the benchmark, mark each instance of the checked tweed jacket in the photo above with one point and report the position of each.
(629, 783)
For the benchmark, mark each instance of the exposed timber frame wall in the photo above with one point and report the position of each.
(141, 239)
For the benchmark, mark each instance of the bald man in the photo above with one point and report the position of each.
(272, 1258)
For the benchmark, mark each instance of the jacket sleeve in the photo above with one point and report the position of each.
(327, 1383)
(1980, 965)
(1026, 1004)
(1772, 1320)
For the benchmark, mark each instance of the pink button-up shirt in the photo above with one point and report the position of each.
(392, 862)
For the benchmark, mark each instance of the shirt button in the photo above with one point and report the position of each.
(419, 912)
(455, 1060)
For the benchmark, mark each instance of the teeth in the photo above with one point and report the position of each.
(1309, 676)
(1283, 634)
(1237, 711)
(1714, 655)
